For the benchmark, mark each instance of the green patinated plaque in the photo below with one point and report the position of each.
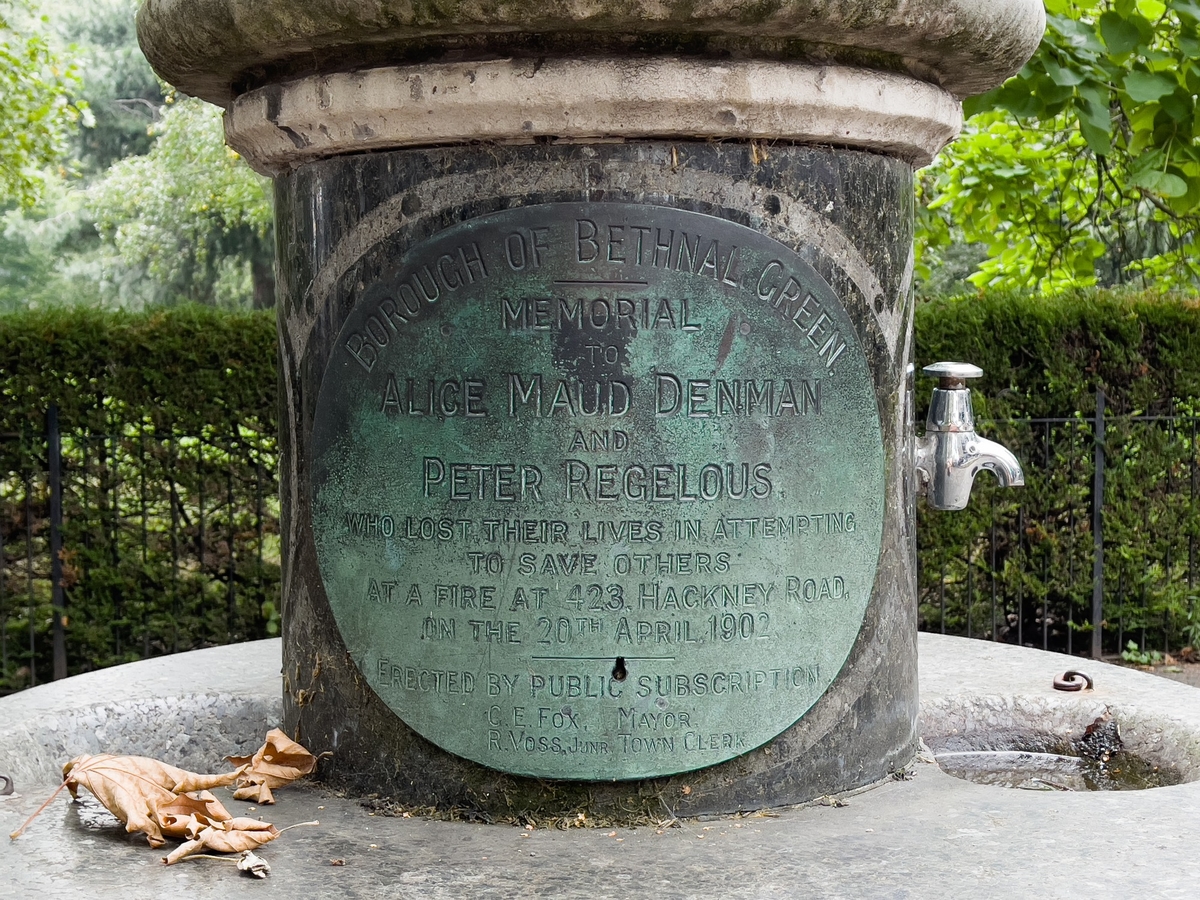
(598, 489)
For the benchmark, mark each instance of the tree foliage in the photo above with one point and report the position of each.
(37, 112)
(122, 91)
(147, 207)
(189, 213)
(1085, 167)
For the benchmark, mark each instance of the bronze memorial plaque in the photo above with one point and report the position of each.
(598, 489)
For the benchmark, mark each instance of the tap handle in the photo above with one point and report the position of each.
(952, 375)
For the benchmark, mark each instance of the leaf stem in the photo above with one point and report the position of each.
(37, 812)
(299, 824)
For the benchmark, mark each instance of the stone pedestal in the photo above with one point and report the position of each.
(596, 370)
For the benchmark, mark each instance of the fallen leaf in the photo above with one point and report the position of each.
(234, 836)
(278, 762)
(178, 781)
(188, 814)
(133, 788)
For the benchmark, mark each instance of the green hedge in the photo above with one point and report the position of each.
(1047, 358)
(184, 369)
(171, 533)
(170, 503)
(1018, 563)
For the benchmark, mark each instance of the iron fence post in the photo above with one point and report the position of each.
(1098, 531)
(54, 454)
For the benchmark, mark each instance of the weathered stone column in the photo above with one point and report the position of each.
(595, 327)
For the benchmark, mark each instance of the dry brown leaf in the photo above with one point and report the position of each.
(233, 836)
(134, 788)
(188, 814)
(278, 762)
(177, 781)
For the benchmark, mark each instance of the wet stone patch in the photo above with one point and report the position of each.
(1095, 760)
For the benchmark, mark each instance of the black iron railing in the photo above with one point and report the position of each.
(136, 543)
(170, 542)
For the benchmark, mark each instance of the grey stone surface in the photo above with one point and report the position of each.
(280, 126)
(191, 710)
(216, 49)
(1011, 688)
(929, 837)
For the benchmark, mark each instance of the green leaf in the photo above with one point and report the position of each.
(1099, 141)
(1077, 34)
(1096, 95)
(1119, 33)
(1188, 8)
(1051, 93)
(1061, 75)
(1179, 106)
(1016, 96)
(1144, 87)
(973, 106)
(1162, 183)
(1095, 124)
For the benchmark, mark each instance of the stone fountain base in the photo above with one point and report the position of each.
(928, 836)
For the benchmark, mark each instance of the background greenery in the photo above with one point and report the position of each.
(114, 191)
(1084, 169)
(172, 540)
(169, 493)
(1081, 172)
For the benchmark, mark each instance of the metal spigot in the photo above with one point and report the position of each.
(951, 453)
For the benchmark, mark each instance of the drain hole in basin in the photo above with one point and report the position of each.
(1094, 761)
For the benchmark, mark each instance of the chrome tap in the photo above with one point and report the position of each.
(951, 453)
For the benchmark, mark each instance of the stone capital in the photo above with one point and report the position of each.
(218, 49)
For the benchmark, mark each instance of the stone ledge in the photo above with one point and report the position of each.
(281, 126)
(215, 49)
(190, 709)
(929, 836)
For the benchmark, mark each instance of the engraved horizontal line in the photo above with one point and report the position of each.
(583, 282)
(598, 658)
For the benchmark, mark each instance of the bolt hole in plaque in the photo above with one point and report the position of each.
(549, 436)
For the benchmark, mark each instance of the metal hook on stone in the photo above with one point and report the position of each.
(1073, 681)
(6, 785)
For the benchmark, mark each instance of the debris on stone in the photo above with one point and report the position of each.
(136, 788)
(233, 836)
(252, 864)
(835, 802)
(164, 802)
(1101, 739)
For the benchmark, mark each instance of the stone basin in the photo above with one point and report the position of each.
(928, 835)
